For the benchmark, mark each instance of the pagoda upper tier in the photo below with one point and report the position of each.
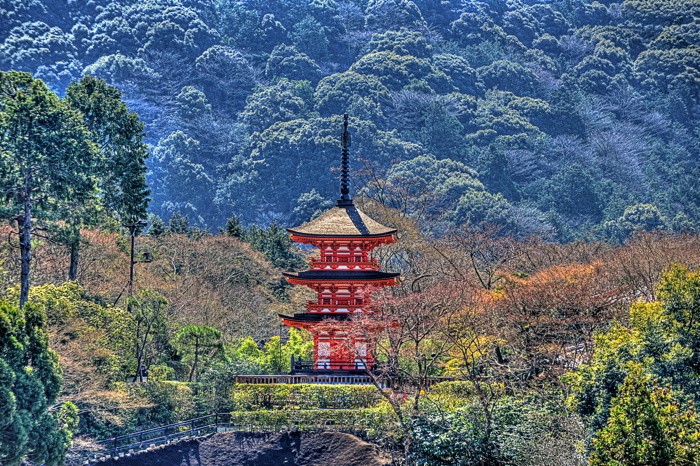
(345, 236)
(341, 221)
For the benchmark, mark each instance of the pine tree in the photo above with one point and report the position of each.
(195, 339)
(30, 381)
(47, 160)
(121, 171)
(234, 227)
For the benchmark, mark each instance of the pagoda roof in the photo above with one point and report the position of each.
(342, 221)
(341, 275)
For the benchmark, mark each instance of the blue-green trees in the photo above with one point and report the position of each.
(461, 81)
(32, 426)
(47, 162)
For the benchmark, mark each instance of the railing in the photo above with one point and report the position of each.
(316, 307)
(317, 378)
(306, 371)
(330, 378)
(299, 365)
(319, 263)
(149, 438)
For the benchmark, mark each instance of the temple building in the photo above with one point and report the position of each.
(343, 277)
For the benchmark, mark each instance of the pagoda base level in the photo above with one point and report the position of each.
(329, 371)
(301, 367)
(331, 378)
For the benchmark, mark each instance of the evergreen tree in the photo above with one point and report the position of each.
(157, 227)
(121, 171)
(31, 426)
(179, 224)
(48, 162)
(276, 245)
(234, 227)
(196, 339)
(647, 426)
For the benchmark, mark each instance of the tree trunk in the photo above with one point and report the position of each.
(193, 372)
(74, 256)
(141, 349)
(139, 362)
(24, 225)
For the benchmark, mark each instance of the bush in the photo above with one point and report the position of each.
(169, 402)
(456, 388)
(371, 422)
(303, 396)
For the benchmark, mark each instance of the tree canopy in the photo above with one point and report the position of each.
(545, 102)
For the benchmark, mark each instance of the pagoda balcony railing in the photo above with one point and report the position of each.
(306, 366)
(371, 264)
(313, 306)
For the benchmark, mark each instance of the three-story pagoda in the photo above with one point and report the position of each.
(343, 277)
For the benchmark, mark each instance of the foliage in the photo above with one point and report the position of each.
(648, 425)
(475, 121)
(443, 191)
(303, 396)
(198, 339)
(119, 135)
(47, 162)
(372, 422)
(526, 432)
(550, 87)
(630, 368)
(149, 327)
(169, 402)
(33, 426)
(275, 244)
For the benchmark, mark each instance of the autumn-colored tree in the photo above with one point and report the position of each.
(401, 330)
(479, 257)
(549, 317)
(640, 263)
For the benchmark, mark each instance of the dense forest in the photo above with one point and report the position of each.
(540, 161)
(566, 118)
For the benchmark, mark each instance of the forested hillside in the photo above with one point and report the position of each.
(567, 118)
(521, 148)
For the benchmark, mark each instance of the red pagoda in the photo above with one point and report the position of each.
(343, 277)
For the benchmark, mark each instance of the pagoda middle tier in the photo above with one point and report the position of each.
(344, 273)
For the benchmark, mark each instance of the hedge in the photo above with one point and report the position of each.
(303, 396)
(374, 422)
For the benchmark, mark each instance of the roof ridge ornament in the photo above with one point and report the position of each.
(345, 199)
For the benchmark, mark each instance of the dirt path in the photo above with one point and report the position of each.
(236, 449)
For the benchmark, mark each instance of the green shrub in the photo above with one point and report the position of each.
(456, 388)
(372, 422)
(303, 396)
(169, 402)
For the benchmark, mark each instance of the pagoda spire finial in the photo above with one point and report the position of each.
(345, 199)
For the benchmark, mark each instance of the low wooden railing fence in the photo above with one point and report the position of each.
(149, 438)
(145, 440)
